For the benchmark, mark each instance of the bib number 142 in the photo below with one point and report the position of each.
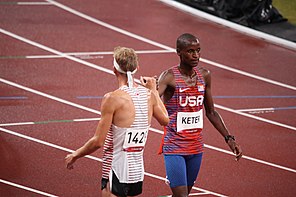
(135, 140)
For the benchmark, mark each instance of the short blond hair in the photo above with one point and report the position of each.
(126, 58)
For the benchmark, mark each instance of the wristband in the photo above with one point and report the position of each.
(228, 137)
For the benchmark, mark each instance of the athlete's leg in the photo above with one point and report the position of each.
(179, 191)
(105, 187)
(193, 163)
(176, 174)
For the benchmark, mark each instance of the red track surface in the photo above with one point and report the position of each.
(39, 165)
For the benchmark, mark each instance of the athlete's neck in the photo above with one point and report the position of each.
(187, 71)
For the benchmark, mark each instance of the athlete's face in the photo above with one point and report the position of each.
(190, 54)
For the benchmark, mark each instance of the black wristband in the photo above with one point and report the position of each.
(228, 137)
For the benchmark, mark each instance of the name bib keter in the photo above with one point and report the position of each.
(189, 120)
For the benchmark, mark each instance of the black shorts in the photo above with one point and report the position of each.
(104, 183)
(125, 189)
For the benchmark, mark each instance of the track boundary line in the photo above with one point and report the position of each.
(152, 129)
(240, 28)
(96, 21)
(87, 156)
(26, 188)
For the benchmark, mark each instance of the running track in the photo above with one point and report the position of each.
(56, 64)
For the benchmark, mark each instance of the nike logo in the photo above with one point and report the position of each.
(183, 90)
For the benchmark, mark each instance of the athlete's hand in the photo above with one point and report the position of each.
(236, 149)
(149, 82)
(69, 161)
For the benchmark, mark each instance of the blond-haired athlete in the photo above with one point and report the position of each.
(127, 111)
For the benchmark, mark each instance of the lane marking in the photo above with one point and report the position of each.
(253, 159)
(255, 117)
(48, 122)
(33, 3)
(161, 132)
(83, 55)
(87, 156)
(96, 21)
(26, 188)
(49, 96)
(248, 74)
(111, 72)
(256, 97)
(13, 97)
(89, 97)
(24, 3)
(267, 109)
(240, 28)
(98, 112)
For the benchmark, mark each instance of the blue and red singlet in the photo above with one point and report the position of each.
(183, 134)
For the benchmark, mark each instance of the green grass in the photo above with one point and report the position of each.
(287, 9)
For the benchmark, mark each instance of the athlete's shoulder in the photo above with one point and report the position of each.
(167, 75)
(204, 71)
(206, 74)
(113, 96)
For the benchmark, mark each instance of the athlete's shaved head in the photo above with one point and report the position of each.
(185, 40)
(126, 58)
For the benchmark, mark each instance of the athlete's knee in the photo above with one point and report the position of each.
(180, 191)
(180, 195)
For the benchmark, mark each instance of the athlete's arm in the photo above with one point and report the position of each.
(97, 141)
(166, 85)
(215, 118)
(159, 110)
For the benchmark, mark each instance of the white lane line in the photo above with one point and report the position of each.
(255, 117)
(75, 59)
(15, 124)
(48, 121)
(166, 47)
(87, 156)
(49, 96)
(83, 54)
(232, 25)
(161, 132)
(26, 188)
(256, 109)
(33, 3)
(252, 159)
(89, 18)
(111, 72)
(196, 188)
(248, 74)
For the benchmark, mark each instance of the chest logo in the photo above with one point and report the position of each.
(183, 89)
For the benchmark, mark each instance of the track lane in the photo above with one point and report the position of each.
(217, 88)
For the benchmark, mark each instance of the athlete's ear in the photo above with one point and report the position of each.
(178, 51)
(115, 71)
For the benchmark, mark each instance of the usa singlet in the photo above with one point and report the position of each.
(128, 143)
(183, 134)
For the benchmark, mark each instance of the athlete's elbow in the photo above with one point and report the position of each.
(165, 121)
(97, 143)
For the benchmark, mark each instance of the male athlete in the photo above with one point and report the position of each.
(127, 111)
(186, 88)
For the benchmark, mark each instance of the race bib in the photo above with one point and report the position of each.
(135, 140)
(189, 120)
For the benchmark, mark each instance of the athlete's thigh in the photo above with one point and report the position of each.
(193, 163)
(175, 170)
